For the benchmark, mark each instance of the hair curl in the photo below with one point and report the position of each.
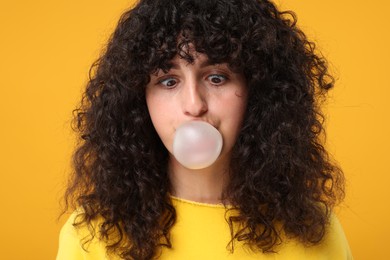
(280, 171)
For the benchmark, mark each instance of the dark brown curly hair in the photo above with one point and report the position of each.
(280, 172)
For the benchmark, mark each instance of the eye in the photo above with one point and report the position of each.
(168, 82)
(217, 79)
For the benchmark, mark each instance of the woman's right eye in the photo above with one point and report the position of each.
(168, 82)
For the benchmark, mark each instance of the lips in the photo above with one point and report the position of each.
(200, 120)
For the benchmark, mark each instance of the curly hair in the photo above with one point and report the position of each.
(280, 174)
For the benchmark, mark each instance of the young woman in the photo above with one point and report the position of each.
(240, 67)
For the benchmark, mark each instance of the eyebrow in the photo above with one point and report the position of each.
(205, 63)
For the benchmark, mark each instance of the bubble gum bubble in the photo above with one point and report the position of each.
(197, 144)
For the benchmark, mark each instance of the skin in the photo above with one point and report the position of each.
(197, 91)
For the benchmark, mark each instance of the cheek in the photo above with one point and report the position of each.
(161, 115)
(232, 113)
(233, 107)
(154, 105)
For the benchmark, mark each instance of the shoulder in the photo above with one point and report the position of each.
(79, 242)
(335, 240)
(334, 245)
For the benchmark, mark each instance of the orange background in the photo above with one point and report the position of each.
(46, 49)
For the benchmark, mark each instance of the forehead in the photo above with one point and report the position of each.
(198, 61)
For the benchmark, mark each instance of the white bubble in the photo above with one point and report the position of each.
(197, 144)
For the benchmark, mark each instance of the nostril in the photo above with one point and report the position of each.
(196, 110)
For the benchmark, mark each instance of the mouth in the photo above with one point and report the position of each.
(198, 120)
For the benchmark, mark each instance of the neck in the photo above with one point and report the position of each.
(201, 185)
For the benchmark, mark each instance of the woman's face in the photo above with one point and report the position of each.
(198, 91)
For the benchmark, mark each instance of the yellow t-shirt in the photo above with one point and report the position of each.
(201, 232)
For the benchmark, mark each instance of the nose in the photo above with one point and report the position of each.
(194, 99)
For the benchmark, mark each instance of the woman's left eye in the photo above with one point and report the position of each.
(217, 79)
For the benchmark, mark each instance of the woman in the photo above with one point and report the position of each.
(242, 67)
